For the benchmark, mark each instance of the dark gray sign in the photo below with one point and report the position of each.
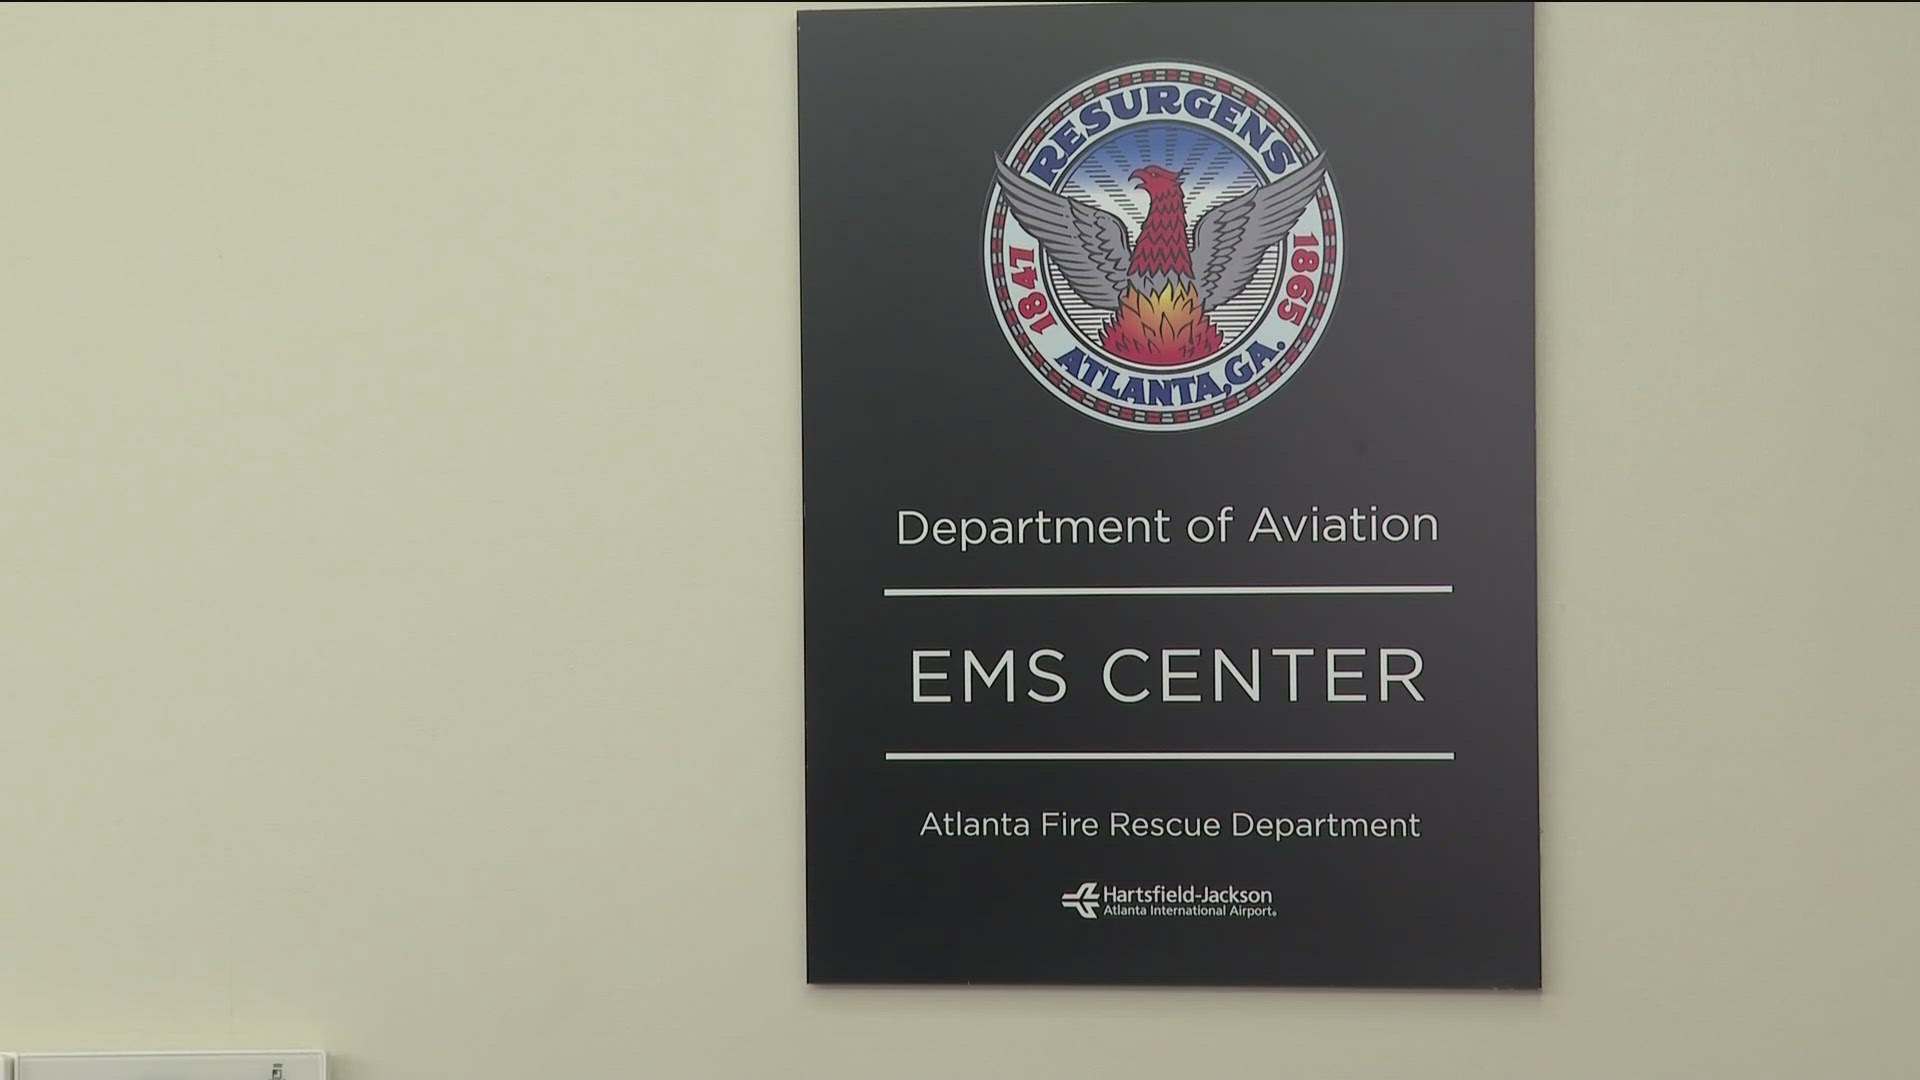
(1169, 446)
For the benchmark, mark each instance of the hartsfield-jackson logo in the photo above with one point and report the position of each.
(1084, 900)
(1162, 246)
(1091, 900)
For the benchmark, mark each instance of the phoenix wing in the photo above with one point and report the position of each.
(1230, 239)
(1088, 244)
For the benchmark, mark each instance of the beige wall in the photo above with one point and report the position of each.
(399, 562)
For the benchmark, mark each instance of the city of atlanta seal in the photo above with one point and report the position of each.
(1162, 245)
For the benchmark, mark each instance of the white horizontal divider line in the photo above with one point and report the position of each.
(1180, 590)
(1169, 755)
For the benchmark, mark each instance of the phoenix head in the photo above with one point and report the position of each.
(1156, 180)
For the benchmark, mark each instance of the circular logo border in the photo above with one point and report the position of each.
(1326, 290)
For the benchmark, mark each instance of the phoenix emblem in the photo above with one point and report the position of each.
(1161, 282)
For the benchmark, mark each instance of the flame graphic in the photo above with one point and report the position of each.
(1164, 328)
